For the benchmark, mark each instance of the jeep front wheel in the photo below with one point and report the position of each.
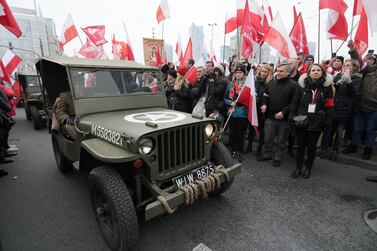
(113, 208)
(37, 121)
(220, 155)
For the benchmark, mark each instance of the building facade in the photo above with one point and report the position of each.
(197, 36)
(169, 52)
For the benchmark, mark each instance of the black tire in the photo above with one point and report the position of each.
(64, 165)
(220, 155)
(37, 121)
(113, 208)
(27, 113)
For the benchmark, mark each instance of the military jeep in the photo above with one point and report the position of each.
(143, 159)
(32, 98)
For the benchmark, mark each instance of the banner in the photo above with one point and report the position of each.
(151, 46)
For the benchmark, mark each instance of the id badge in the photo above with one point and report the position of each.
(311, 108)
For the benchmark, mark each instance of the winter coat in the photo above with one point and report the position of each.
(169, 92)
(182, 96)
(278, 97)
(324, 103)
(216, 91)
(198, 90)
(367, 101)
(4, 104)
(260, 88)
(64, 107)
(231, 94)
(346, 91)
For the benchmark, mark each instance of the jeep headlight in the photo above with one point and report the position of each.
(209, 130)
(146, 146)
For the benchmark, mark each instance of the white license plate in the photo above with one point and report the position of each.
(196, 174)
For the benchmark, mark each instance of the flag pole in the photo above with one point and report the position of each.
(331, 47)
(319, 33)
(163, 24)
(224, 49)
(353, 17)
(346, 38)
(238, 45)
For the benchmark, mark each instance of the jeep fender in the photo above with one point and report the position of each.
(106, 152)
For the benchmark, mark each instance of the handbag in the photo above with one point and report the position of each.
(200, 107)
(301, 121)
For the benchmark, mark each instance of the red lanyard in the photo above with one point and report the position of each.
(314, 95)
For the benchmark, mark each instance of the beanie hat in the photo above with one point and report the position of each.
(172, 73)
(182, 70)
(165, 68)
(309, 56)
(341, 58)
(240, 67)
(220, 67)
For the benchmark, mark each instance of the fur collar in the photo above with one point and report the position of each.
(328, 82)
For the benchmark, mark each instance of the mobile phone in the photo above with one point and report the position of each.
(370, 51)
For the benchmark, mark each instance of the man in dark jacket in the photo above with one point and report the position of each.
(199, 89)
(217, 85)
(277, 102)
(366, 117)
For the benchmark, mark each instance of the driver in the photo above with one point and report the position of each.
(65, 114)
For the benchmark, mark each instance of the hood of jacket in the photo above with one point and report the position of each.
(328, 82)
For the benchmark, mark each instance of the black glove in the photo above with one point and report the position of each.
(69, 120)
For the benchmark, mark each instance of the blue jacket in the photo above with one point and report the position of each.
(241, 111)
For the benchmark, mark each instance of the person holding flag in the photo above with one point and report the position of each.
(238, 113)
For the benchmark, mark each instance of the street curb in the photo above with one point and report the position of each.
(358, 161)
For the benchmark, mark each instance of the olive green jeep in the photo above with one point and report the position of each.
(143, 159)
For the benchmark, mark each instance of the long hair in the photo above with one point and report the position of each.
(270, 75)
(324, 74)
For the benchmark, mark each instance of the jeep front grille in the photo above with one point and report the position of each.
(180, 148)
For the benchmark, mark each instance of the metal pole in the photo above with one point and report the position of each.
(331, 47)
(346, 38)
(353, 17)
(162, 35)
(319, 34)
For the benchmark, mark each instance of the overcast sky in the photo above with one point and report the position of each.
(139, 17)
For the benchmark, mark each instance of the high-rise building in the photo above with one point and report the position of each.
(197, 36)
(169, 52)
(233, 42)
(38, 36)
(312, 48)
(225, 51)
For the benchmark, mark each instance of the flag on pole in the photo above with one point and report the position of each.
(268, 17)
(337, 26)
(7, 19)
(361, 36)
(298, 36)
(295, 16)
(230, 22)
(3, 75)
(130, 53)
(159, 61)
(188, 52)
(191, 75)
(278, 38)
(357, 7)
(10, 62)
(119, 49)
(91, 50)
(96, 34)
(247, 31)
(163, 11)
(370, 7)
(212, 55)
(178, 50)
(69, 32)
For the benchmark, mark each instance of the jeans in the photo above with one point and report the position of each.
(306, 140)
(279, 130)
(338, 128)
(364, 121)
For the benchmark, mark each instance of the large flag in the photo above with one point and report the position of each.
(69, 32)
(337, 26)
(370, 7)
(159, 61)
(163, 11)
(278, 38)
(96, 34)
(188, 52)
(298, 36)
(130, 52)
(361, 36)
(230, 22)
(295, 16)
(268, 17)
(90, 50)
(178, 50)
(119, 49)
(247, 33)
(357, 7)
(10, 62)
(248, 98)
(7, 19)
(191, 75)
(3, 75)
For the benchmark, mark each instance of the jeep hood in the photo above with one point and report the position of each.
(134, 123)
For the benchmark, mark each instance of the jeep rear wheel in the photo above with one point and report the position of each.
(113, 208)
(27, 113)
(64, 165)
(37, 121)
(220, 155)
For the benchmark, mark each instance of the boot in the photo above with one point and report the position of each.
(296, 173)
(350, 149)
(291, 151)
(307, 172)
(372, 178)
(258, 152)
(367, 153)
(334, 155)
(323, 152)
(249, 148)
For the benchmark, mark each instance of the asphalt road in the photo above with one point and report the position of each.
(264, 210)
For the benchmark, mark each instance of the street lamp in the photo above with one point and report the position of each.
(211, 25)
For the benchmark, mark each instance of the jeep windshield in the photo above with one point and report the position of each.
(89, 82)
(32, 81)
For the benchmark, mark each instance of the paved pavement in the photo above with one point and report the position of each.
(264, 209)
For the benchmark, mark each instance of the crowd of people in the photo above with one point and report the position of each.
(315, 106)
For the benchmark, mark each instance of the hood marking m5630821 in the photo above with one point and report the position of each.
(106, 134)
(155, 117)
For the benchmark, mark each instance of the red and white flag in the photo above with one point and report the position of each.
(130, 52)
(119, 49)
(10, 62)
(178, 50)
(268, 17)
(90, 50)
(7, 19)
(295, 16)
(361, 36)
(248, 98)
(212, 55)
(298, 36)
(247, 33)
(3, 75)
(96, 34)
(192, 75)
(357, 7)
(188, 52)
(163, 11)
(159, 61)
(230, 22)
(337, 26)
(370, 7)
(278, 38)
(69, 32)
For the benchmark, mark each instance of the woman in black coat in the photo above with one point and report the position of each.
(313, 99)
(182, 99)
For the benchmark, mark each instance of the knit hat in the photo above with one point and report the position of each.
(172, 73)
(309, 57)
(240, 67)
(220, 67)
(341, 58)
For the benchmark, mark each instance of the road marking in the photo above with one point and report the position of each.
(201, 247)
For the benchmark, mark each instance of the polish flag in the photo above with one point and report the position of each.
(119, 49)
(191, 75)
(255, 11)
(268, 17)
(90, 50)
(96, 34)
(370, 7)
(247, 33)
(7, 19)
(178, 50)
(10, 62)
(298, 36)
(295, 16)
(212, 55)
(163, 11)
(337, 26)
(130, 53)
(278, 38)
(159, 61)
(230, 23)
(3, 75)
(361, 36)
(69, 32)
(188, 52)
(357, 7)
(248, 98)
